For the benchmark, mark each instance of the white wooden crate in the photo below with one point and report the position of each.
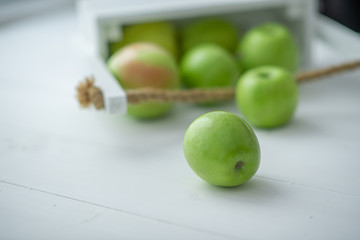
(102, 22)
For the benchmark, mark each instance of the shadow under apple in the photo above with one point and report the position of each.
(258, 190)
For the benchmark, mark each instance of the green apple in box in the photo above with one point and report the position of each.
(210, 30)
(222, 149)
(160, 33)
(145, 65)
(208, 65)
(268, 44)
(267, 96)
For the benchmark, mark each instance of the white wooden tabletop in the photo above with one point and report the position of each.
(70, 173)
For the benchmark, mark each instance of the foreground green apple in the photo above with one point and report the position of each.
(160, 33)
(267, 96)
(208, 65)
(222, 149)
(142, 65)
(268, 44)
(210, 30)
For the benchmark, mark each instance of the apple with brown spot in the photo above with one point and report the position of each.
(145, 65)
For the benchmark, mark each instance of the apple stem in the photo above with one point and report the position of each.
(264, 75)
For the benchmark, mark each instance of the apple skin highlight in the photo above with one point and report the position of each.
(222, 149)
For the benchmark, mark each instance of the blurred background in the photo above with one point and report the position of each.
(346, 12)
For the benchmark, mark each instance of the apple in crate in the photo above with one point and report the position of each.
(160, 33)
(268, 44)
(210, 30)
(267, 96)
(222, 149)
(145, 65)
(208, 65)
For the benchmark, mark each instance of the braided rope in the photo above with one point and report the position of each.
(317, 73)
(88, 93)
(192, 95)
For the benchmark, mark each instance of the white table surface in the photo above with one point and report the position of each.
(70, 173)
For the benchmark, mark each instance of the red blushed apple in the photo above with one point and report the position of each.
(144, 65)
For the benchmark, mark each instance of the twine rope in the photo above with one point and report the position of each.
(322, 72)
(88, 94)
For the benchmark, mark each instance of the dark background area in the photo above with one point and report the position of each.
(346, 12)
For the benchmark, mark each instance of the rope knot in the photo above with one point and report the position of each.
(88, 94)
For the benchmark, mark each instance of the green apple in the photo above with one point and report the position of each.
(267, 96)
(210, 30)
(222, 149)
(141, 65)
(268, 44)
(160, 33)
(208, 65)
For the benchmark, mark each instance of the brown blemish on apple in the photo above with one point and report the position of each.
(139, 75)
(238, 165)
